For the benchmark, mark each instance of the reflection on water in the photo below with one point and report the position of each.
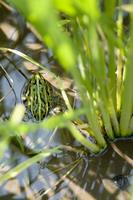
(68, 176)
(64, 176)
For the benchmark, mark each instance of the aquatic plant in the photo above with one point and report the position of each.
(91, 44)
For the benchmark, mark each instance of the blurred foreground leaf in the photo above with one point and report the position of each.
(24, 165)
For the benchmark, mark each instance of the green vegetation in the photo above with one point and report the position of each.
(92, 46)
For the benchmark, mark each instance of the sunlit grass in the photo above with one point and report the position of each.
(95, 54)
(24, 165)
(104, 89)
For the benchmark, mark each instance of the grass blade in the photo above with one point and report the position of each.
(24, 165)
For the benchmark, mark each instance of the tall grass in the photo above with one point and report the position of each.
(89, 43)
(88, 51)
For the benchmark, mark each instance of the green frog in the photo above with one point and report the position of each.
(40, 97)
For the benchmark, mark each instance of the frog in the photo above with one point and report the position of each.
(40, 97)
(122, 181)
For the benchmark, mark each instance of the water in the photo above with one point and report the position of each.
(66, 175)
(91, 176)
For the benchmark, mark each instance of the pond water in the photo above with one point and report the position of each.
(65, 176)
(70, 176)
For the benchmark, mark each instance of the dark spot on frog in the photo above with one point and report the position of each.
(121, 181)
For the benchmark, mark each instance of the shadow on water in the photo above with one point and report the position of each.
(67, 175)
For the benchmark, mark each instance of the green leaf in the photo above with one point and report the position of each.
(24, 165)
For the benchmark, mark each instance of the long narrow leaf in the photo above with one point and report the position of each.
(127, 96)
(24, 165)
